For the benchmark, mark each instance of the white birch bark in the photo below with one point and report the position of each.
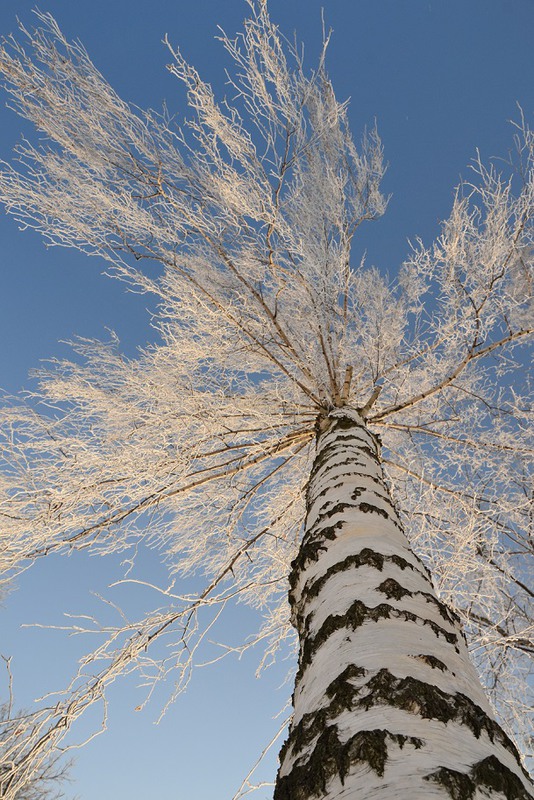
(387, 703)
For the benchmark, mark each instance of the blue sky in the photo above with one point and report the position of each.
(441, 77)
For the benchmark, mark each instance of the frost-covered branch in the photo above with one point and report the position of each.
(242, 223)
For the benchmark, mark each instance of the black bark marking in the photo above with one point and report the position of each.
(339, 683)
(331, 758)
(341, 693)
(309, 551)
(340, 508)
(326, 458)
(353, 474)
(408, 694)
(355, 616)
(350, 445)
(432, 661)
(488, 773)
(367, 508)
(329, 488)
(337, 508)
(354, 495)
(365, 557)
(392, 588)
(429, 702)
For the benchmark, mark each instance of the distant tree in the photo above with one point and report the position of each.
(300, 412)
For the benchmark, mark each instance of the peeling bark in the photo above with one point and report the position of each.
(387, 703)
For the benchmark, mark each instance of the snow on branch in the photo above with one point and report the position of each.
(241, 222)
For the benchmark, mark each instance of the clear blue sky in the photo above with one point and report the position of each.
(441, 77)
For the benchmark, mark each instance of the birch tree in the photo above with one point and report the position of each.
(304, 422)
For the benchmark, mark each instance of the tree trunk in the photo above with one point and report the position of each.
(387, 703)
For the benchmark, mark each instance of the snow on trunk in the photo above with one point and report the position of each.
(387, 703)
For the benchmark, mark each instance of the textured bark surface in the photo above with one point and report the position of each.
(387, 703)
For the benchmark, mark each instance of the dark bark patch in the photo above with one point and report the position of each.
(341, 693)
(354, 495)
(330, 487)
(491, 773)
(349, 444)
(310, 550)
(427, 700)
(338, 508)
(328, 454)
(432, 661)
(408, 694)
(331, 758)
(458, 784)
(352, 473)
(345, 424)
(365, 557)
(392, 588)
(430, 702)
(339, 683)
(355, 616)
(486, 774)
(381, 496)
(367, 508)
